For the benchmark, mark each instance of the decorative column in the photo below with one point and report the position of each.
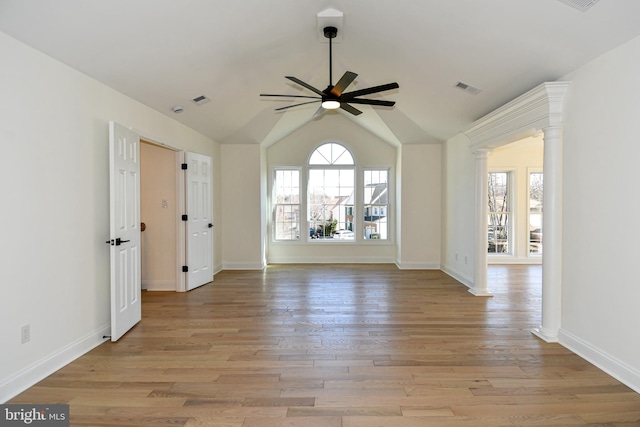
(482, 222)
(551, 236)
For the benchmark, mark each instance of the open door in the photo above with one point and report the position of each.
(199, 226)
(124, 222)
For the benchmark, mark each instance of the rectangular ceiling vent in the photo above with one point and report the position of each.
(581, 5)
(467, 88)
(199, 100)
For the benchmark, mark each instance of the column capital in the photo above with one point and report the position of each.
(482, 153)
(552, 131)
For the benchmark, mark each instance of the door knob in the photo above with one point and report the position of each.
(210, 225)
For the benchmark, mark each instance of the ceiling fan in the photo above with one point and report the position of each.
(334, 97)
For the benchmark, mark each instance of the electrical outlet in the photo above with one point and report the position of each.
(25, 333)
(466, 260)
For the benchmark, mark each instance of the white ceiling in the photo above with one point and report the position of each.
(166, 52)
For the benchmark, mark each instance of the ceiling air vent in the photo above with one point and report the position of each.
(581, 5)
(467, 88)
(199, 100)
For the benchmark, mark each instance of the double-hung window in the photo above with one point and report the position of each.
(535, 213)
(330, 193)
(376, 204)
(286, 206)
(499, 232)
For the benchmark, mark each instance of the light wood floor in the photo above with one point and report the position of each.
(339, 346)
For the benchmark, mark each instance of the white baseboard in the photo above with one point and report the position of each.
(159, 285)
(403, 265)
(460, 277)
(624, 373)
(32, 374)
(507, 259)
(242, 266)
(331, 260)
(217, 269)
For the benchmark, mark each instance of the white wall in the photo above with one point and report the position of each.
(458, 209)
(520, 158)
(294, 150)
(600, 284)
(600, 290)
(241, 209)
(421, 207)
(54, 271)
(415, 242)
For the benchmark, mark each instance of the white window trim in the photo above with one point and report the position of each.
(358, 208)
(390, 204)
(529, 254)
(512, 180)
(272, 204)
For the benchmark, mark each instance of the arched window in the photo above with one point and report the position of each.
(331, 193)
(336, 209)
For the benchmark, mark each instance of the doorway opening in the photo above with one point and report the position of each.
(515, 202)
(160, 206)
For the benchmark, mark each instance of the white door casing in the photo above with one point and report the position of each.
(199, 225)
(124, 229)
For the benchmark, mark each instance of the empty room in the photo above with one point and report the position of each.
(338, 213)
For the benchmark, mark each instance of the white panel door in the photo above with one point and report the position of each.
(124, 162)
(199, 220)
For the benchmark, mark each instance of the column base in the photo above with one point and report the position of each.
(545, 335)
(480, 293)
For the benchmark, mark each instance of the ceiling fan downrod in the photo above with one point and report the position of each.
(330, 33)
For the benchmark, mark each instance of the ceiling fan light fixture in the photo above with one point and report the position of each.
(330, 104)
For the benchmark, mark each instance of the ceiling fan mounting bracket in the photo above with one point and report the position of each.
(330, 32)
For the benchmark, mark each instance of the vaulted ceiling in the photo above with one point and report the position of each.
(167, 52)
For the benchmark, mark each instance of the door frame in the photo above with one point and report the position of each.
(181, 238)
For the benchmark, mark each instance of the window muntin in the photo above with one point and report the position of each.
(286, 206)
(535, 213)
(376, 204)
(331, 154)
(499, 236)
(330, 193)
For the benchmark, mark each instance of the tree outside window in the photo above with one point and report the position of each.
(499, 213)
(535, 212)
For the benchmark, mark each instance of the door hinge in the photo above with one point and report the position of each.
(184, 166)
(185, 269)
(185, 217)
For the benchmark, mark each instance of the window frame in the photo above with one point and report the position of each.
(274, 204)
(358, 208)
(387, 207)
(331, 167)
(511, 212)
(531, 171)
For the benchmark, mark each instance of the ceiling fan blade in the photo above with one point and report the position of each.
(296, 105)
(342, 84)
(367, 91)
(303, 84)
(372, 102)
(291, 96)
(348, 108)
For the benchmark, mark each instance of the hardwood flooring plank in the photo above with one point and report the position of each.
(339, 346)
